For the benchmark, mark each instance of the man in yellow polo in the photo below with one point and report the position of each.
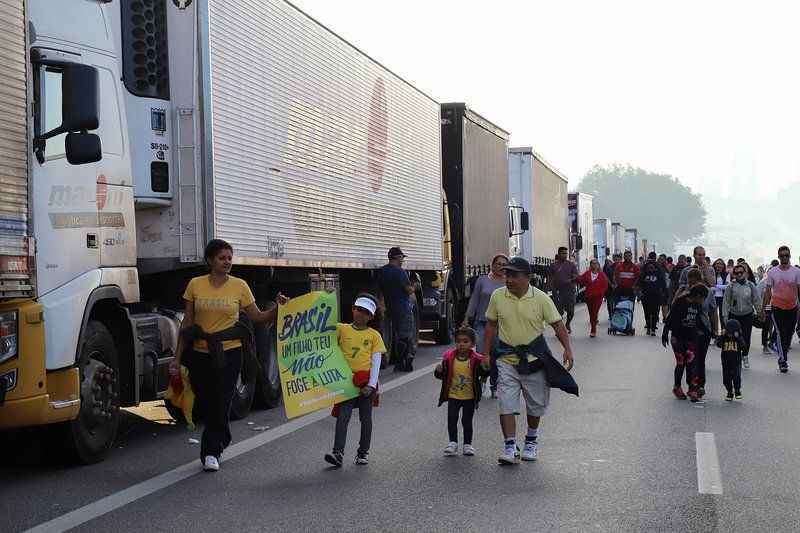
(519, 313)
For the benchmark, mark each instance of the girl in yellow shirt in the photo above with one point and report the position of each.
(460, 372)
(363, 349)
(213, 302)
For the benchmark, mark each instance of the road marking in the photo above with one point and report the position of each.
(145, 488)
(709, 478)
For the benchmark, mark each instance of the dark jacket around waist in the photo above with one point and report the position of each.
(446, 375)
(243, 331)
(556, 375)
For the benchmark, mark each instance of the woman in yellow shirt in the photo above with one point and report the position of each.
(213, 303)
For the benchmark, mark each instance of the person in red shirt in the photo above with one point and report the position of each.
(596, 284)
(625, 276)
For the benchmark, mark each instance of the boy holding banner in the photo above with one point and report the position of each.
(363, 348)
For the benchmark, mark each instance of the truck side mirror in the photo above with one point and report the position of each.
(79, 103)
(524, 221)
(79, 95)
(82, 148)
(579, 242)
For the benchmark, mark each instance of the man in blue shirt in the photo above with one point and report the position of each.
(397, 292)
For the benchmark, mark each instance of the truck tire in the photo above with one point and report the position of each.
(90, 436)
(415, 329)
(243, 396)
(443, 333)
(268, 384)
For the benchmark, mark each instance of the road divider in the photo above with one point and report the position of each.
(709, 477)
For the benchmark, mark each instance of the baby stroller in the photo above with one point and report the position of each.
(622, 317)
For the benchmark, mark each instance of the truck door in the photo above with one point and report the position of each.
(64, 195)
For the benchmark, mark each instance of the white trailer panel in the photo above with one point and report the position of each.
(14, 277)
(320, 156)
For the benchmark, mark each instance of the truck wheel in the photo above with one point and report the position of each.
(415, 329)
(443, 333)
(268, 384)
(91, 435)
(243, 396)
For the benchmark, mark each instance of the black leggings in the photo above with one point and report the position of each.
(214, 389)
(453, 407)
(746, 322)
(767, 331)
(651, 304)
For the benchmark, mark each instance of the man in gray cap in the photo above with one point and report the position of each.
(518, 314)
(397, 292)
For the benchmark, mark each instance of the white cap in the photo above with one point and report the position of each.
(366, 303)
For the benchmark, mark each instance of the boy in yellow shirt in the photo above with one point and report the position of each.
(363, 348)
(460, 372)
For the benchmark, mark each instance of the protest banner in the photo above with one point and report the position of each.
(314, 373)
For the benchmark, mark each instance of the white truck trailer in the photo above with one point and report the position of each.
(155, 126)
(632, 242)
(581, 222)
(541, 191)
(618, 234)
(603, 239)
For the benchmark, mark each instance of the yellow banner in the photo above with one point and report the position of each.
(314, 373)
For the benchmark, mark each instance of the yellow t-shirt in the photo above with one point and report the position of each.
(461, 387)
(217, 309)
(520, 320)
(358, 345)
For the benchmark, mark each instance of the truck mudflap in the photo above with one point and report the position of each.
(34, 396)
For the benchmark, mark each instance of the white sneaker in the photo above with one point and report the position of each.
(469, 450)
(210, 464)
(530, 452)
(509, 456)
(451, 449)
(746, 362)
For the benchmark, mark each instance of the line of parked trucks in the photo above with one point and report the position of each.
(133, 131)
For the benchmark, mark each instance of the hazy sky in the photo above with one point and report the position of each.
(707, 91)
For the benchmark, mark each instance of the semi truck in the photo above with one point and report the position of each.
(478, 201)
(603, 239)
(132, 132)
(581, 222)
(618, 234)
(542, 192)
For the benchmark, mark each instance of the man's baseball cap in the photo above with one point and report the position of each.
(394, 252)
(518, 264)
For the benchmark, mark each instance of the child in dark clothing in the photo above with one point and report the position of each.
(733, 346)
(460, 372)
(685, 323)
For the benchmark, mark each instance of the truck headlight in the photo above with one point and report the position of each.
(8, 335)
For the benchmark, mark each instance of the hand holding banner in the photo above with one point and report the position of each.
(314, 373)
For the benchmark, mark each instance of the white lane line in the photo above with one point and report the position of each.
(709, 477)
(145, 488)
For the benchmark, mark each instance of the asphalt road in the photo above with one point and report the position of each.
(622, 457)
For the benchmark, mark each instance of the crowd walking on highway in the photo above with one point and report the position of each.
(698, 303)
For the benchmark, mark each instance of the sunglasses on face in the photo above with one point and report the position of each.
(784, 255)
(739, 273)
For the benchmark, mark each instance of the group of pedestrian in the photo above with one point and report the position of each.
(705, 302)
(721, 301)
